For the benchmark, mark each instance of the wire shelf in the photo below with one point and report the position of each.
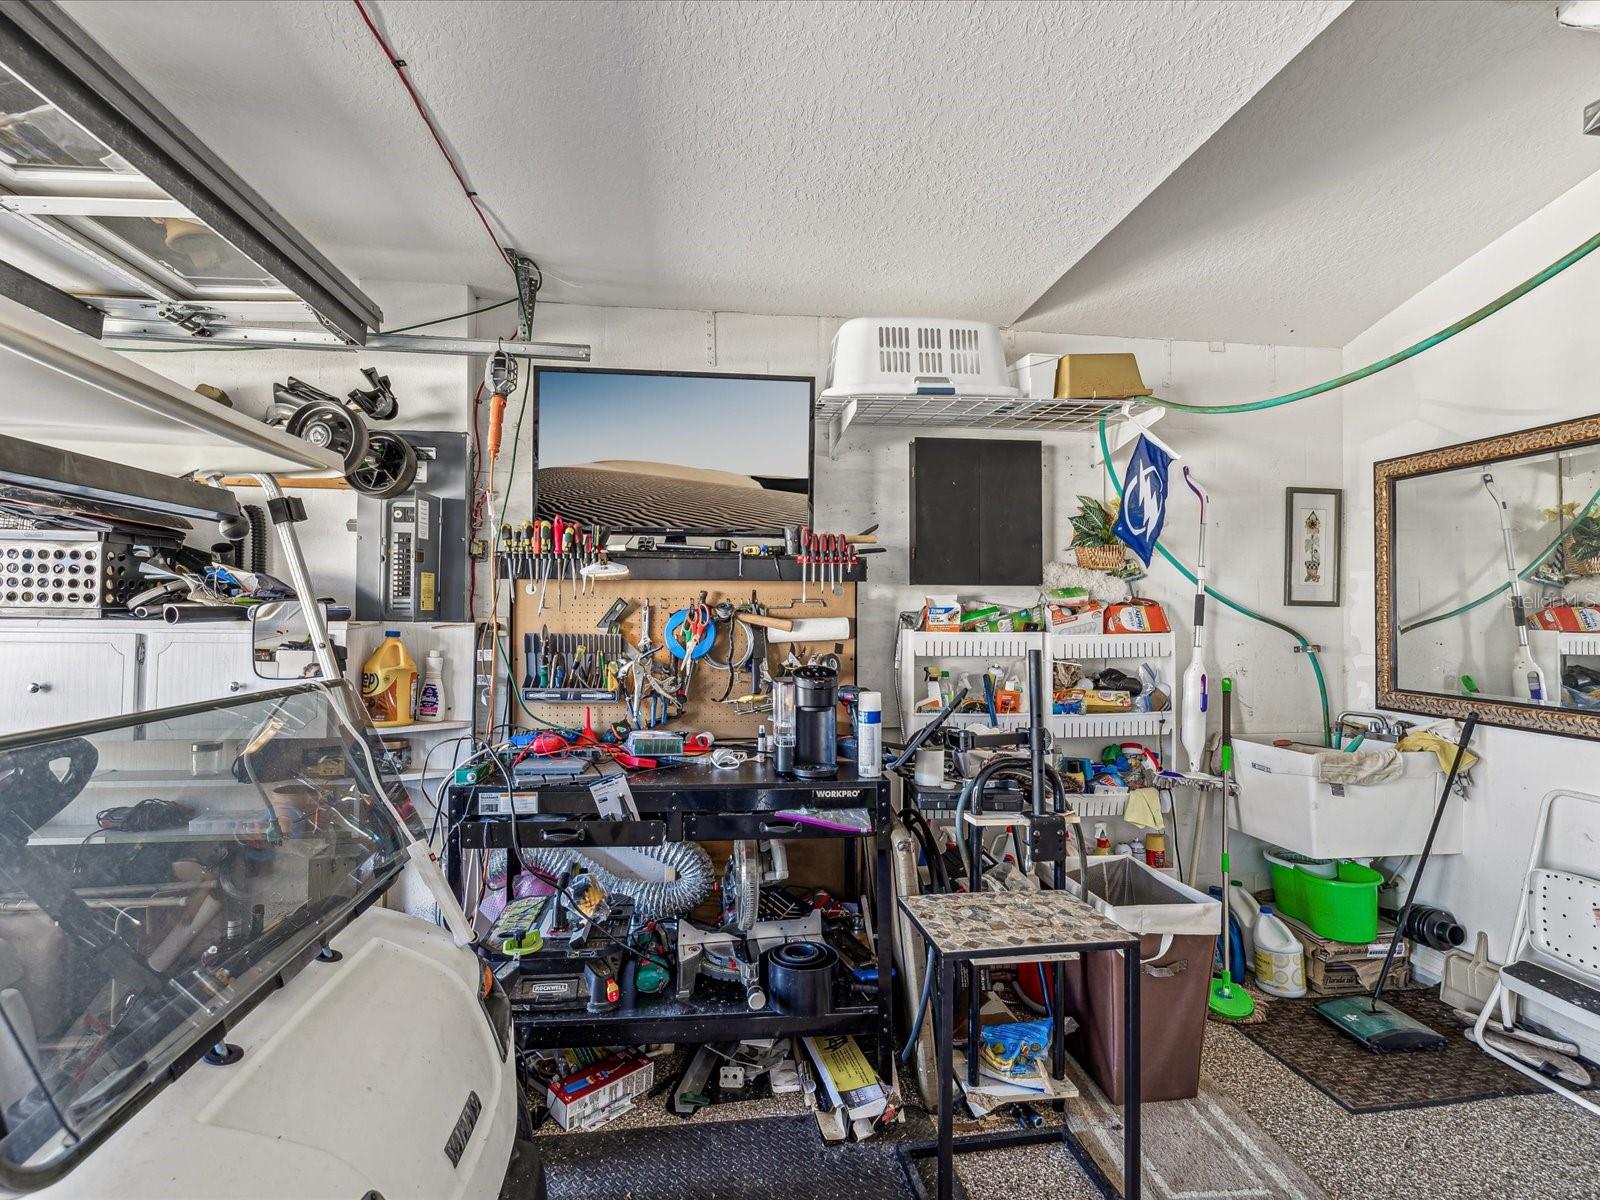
(912, 410)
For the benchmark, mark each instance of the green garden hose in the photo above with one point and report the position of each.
(1525, 573)
(1383, 364)
(1311, 655)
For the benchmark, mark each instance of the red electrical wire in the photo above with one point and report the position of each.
(399, 65)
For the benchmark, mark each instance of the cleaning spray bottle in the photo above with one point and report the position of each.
(1196, 682)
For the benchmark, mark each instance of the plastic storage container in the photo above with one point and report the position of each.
(917, 356)
(1177, 928)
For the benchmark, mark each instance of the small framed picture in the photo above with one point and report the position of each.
(1313, 546)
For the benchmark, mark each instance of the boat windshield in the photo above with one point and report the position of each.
(157, 871)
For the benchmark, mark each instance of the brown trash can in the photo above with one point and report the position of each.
(1177, 928)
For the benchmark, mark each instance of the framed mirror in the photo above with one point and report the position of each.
(1488, 580)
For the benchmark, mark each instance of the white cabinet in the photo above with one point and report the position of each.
(61, 672)
(183, 668)
(189, 667)
(55, 677)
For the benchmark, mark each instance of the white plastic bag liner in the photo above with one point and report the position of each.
(1142, 900)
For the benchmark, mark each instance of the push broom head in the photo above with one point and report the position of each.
(1380, 1026)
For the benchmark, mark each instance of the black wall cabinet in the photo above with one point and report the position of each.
(976, 511)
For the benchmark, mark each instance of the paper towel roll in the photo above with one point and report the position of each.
(813, 629)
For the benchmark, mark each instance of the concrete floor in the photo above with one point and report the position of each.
(1520, 1148)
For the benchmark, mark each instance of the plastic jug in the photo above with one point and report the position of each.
(1247, 911)
(430, 700)
(389, 682)
(1280, 959)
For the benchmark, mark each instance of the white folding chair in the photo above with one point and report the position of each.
(1555, 949)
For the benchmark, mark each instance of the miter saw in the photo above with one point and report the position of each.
(732, 952)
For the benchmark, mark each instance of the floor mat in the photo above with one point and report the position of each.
(1360, 1081)
(777, 1158)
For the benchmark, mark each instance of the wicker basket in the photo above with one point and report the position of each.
(1100, 558)
(1575, 566)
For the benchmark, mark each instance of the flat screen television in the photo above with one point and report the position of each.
(670, 453)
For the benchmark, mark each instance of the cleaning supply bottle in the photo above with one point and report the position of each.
(389, 682)
(1280, 959)
(430, 700)
(1247, 910)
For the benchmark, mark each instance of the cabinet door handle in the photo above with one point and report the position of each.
(779, 828)
(236, 686)
(36, 688)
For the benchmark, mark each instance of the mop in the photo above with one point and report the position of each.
(1527, 677)
(1380, 1027)
(1195, 681)
(1228, 1000)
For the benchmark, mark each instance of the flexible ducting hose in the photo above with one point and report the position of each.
(690, 865)
(1311, 655)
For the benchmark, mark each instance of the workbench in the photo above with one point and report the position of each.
(695, 802)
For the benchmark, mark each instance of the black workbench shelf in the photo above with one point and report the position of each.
(694, 803)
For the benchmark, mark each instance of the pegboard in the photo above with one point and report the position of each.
(567, 613)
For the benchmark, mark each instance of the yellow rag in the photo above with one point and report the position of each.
(1434, 744)
(1143, 808)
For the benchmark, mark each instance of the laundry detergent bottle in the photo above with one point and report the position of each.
(1280, 958)
(389, 682)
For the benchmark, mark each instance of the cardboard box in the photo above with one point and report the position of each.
(941, 614)
(1353, 978)
(598, 1093)
(1098, 377)
(1323, 950)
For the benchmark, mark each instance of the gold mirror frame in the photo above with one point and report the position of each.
(1566, 435)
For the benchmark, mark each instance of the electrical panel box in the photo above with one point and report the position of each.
(411, 527)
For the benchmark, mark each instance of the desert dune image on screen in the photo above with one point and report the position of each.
(673, 452)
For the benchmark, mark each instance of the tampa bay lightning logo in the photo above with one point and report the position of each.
(1144, 498)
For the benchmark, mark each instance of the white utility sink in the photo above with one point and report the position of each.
(1281, 801)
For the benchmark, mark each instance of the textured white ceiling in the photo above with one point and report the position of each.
(843, 158)
(1400, 142)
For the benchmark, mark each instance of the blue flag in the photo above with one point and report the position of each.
(1144, 498)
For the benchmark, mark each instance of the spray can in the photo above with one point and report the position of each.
(869, 735)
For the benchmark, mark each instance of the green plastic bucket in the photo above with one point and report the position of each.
(1343, 909)
(1290, 872)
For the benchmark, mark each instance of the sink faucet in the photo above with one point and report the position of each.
(1378, 727)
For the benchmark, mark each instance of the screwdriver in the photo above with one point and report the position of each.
(556, 544)
(802, 558)
(542, 553)
(569, 553)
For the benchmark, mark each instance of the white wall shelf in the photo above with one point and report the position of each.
(1117, 646)
(1575, 645)
(916, 411)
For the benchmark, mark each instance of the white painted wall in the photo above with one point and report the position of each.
(1533, 363)
(1245, 462)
